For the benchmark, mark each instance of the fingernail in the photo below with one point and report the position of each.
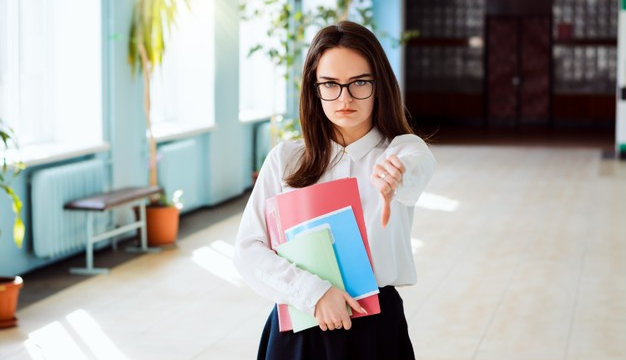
(364, 311)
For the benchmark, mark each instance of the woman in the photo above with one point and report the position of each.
(353, 125)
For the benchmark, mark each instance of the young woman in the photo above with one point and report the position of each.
(353, 125)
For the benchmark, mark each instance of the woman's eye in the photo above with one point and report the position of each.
(360, 82)
(330, 85)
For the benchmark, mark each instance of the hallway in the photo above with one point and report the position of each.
(520, 252)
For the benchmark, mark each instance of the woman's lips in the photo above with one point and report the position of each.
(346, 111)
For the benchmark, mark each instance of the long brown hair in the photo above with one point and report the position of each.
(317, 131)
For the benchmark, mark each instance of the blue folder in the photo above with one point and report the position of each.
(355, 267)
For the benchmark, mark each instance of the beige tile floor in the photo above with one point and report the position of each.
(520, 252)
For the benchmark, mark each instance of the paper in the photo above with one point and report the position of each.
(312, 251)
(352, 259)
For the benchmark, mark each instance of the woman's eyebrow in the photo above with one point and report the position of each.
(352, 78)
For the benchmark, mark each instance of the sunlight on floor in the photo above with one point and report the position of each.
(55, 341)
(218, 260)
(437, 202)
(93, 336)
(416, 244)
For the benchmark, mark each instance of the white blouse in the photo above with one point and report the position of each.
(276, 278)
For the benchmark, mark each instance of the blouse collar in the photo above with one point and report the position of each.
(359, 148)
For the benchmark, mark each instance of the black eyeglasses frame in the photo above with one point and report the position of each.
(341, 86)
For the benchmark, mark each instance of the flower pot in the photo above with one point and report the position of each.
(162, 225)
(9, 292)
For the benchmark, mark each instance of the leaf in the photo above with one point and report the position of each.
(18, 228)
(18, 232)
(254, 49)
(297, 16)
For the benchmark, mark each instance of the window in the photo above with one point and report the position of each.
(182, 87)
(262, 86)
(51, 70)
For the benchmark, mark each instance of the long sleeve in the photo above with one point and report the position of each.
(419, 163)
(265, 272)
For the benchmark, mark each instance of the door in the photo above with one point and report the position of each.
(518, 70)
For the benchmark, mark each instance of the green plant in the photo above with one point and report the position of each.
(151, 21)
(289, 25)
(9, 143)
(176, 201)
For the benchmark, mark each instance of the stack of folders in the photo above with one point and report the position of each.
(321, 229)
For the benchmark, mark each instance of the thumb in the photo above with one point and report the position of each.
(354, 304)
(386, 209)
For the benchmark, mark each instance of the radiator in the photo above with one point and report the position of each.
(180, 168)
(57, 232)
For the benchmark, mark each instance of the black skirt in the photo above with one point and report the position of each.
(380, 336)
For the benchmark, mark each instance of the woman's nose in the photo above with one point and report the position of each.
(345, 95)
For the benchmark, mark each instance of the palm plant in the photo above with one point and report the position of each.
(151, 22)
(8, 142)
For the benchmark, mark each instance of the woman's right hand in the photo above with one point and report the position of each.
(331, 312)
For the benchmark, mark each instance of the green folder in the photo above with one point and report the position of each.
(312, 251)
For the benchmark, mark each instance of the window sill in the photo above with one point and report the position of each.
(249, 117)
(52, 152)
(173, 131)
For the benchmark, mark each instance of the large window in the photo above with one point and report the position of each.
(262, 86)
(51, 70)
(182, 87)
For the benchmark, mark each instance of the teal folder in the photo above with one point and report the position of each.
(312, 251)
(355, 267)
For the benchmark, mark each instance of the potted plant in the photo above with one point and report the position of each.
(161, 228)
(11, 168)
(146, 47)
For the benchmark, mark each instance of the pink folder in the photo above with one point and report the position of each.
(292, 208)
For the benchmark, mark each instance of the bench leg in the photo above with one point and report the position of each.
(144, 234)
(89, 270)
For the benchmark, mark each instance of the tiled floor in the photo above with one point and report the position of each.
(520, 251)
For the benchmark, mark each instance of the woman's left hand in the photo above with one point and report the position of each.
(386, 176)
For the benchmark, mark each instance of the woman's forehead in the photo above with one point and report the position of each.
(342, 63)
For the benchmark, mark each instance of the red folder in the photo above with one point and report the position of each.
(292, 208)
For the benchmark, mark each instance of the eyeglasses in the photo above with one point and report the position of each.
(358, 89)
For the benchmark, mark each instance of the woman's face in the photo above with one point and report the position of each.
(351, 117)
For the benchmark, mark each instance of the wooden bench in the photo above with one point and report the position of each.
(132, 196)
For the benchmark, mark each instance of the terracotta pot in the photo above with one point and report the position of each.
(9, 292)
(162, 225)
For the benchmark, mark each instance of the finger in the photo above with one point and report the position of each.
(378, 171)
(323, 327)
(330, 326)
(397, 163)
(391, 181)
(382, 186)
(386, 214)
(391, 170)
(347, 324)
(354, 304)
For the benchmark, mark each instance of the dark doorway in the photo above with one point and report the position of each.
(518, 55)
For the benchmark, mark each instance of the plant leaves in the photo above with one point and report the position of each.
(18, 232)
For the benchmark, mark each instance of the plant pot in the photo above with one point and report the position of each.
(162, 225)
(9, 292)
